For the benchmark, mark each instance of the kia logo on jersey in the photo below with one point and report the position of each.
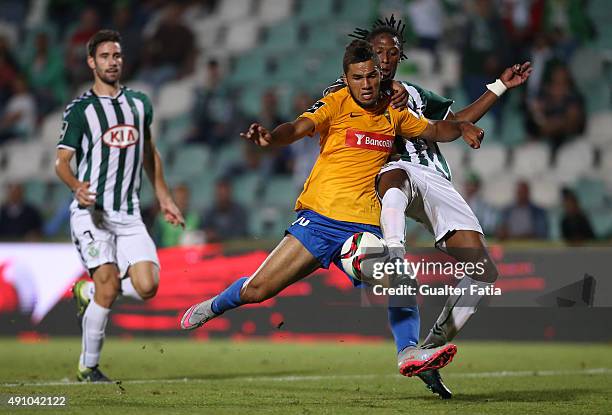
(370, 141)
(120, 136)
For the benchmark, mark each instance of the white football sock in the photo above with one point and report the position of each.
(88, 289)
(456, 313)
(393, 220)
(128, 290)
(94, 325)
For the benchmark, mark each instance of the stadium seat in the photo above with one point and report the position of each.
(24, 160)
(450, 68)
(242, 36)
(454, 153)
(189, 161)
(50, 128)
(175, 99)
(271, 11)
(574, 159)
(282, 37)
(422, 60)
(36, 192)
(602, 224)
(605, 168)
(247, 189)
(498, 190)
(315, 11)
(545, 191)
(207, 32)
(488, 160)
(249, 68)
(358, 12)
(591, 192)
(233, 10)
(280, 191)
(531, 159)
(202, 191)
(599, 130)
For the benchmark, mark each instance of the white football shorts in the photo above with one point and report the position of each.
(111, 238)
(435, 202)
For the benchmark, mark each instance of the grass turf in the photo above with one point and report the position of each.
(176, 376)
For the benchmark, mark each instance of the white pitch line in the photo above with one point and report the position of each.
(501, 374)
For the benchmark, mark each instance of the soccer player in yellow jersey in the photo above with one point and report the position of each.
(357, 126)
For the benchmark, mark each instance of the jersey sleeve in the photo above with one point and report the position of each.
(73, 128)
(411, 125)
(322, 112)
(435, 107)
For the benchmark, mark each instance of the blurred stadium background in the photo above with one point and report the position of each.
(212, 67)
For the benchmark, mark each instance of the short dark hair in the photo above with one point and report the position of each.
(390, 26)
(99, 37)
(358, 51)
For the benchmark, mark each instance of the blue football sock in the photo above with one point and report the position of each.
(405, 324)
(229, 298)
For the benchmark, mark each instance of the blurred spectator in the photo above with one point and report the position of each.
(44, 67)
(523, 219)
(166, 234)
(307, 149)
(540, 55)
(18, 219)
(226, 219)
(131, 38)
(19, 116)
(426, 19)
(575, 225)
(522, 19)
(8, 71)
(569, 23)
(485, 52)
(280, 158)
(216, 120)
(558, 112)
(170, 52)
(487, 215)
(76, 53)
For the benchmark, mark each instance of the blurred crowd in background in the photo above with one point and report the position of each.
(213, 67)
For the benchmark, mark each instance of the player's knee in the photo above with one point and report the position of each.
(107, 290)
(489, 272)
(147, 288)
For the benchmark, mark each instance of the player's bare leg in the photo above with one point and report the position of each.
(144, 278)
(94, 322)
(289, 262)
(468, 247)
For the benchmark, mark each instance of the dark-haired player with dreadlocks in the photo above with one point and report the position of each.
(419, 186)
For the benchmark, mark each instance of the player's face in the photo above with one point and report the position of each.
(108, 62)
(363, 80)
(387, 48)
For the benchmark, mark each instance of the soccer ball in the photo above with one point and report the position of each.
(360, 252)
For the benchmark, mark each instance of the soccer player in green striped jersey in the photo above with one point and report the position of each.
(108, 128)
(419, 186)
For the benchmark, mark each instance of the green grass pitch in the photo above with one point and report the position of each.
(177, 376)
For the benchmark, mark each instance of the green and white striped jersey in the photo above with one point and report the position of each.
(418, 150)
(107, 134)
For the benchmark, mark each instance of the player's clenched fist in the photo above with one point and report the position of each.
(472, 134)
(258, 135)
(83, 195)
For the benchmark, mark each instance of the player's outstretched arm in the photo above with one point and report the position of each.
(282, 135)
(65, 173)
(511, 77)
(153, 166)
(446, 131)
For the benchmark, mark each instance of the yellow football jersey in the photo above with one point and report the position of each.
(355, 144)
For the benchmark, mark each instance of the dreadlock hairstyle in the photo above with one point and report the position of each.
(389, 25)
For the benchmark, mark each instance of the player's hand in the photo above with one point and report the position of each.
(82, 195)
(399, 100)
(516, 75)
(258, 135)
(171, 212)
(472, 134)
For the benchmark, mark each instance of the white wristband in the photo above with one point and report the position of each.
(497, 87)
